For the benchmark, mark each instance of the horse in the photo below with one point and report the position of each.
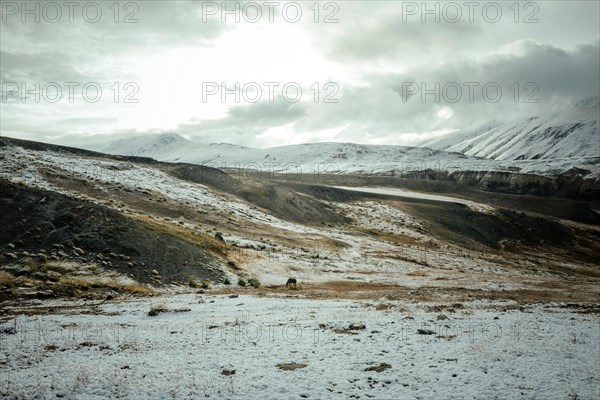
(290, 282)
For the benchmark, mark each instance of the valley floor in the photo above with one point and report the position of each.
(128, 278)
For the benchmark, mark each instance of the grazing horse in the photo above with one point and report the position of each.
(290, 282)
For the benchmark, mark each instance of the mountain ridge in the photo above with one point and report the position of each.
(569, 134)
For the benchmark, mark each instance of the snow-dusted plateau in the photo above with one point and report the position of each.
(157, 268)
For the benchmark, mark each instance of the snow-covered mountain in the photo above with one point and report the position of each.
(451, 139)
(335, 157)
(317, 157)
(572, 132)
(545, 144)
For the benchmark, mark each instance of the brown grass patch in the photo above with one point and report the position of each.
(6, 279)
(135, 288)
(199, 239)
(418, 273)
(397, 238)
(95, 283)
(570, 292)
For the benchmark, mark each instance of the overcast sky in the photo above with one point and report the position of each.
(360, 67)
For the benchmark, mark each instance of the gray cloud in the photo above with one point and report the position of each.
(244, 122)
(375, 50)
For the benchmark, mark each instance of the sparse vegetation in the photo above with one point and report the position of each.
(6, 279)
(254, 282)
(112, 284)
(135, 288)
(241, 282)
(226, 281)
(197, 238)
(78, 283)
(157, 308)
(193, 282)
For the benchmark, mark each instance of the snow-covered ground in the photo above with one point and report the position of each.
(483, 350)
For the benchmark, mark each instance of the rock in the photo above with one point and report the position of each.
(155, 272)
(290, 367)
(356, 327)
(441, 317)
(9, 330)
(233, 296)
(58, 246)
(10, 246)
(425, 332)
(228, 372)
(79, 251)
(11, 255)
(378, 368)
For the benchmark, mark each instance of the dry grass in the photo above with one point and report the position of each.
(78, 283)
(397, 238)
(6, 280)
(595, 272)
(384, 306)
(570, 292)
(135, 288)
(254, 282)
(157, 308)
(56, 267)
(199, 239)
(112, 284)
(27, 281)
(418, 273)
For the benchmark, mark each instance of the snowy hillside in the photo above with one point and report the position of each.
(570, 133)
(451, 139)
(329, 157)
(337, 157)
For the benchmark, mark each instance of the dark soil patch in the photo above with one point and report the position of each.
(36, 220)
(281, 200)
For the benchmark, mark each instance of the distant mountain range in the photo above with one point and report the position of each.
(545, 144)
(317, 157)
